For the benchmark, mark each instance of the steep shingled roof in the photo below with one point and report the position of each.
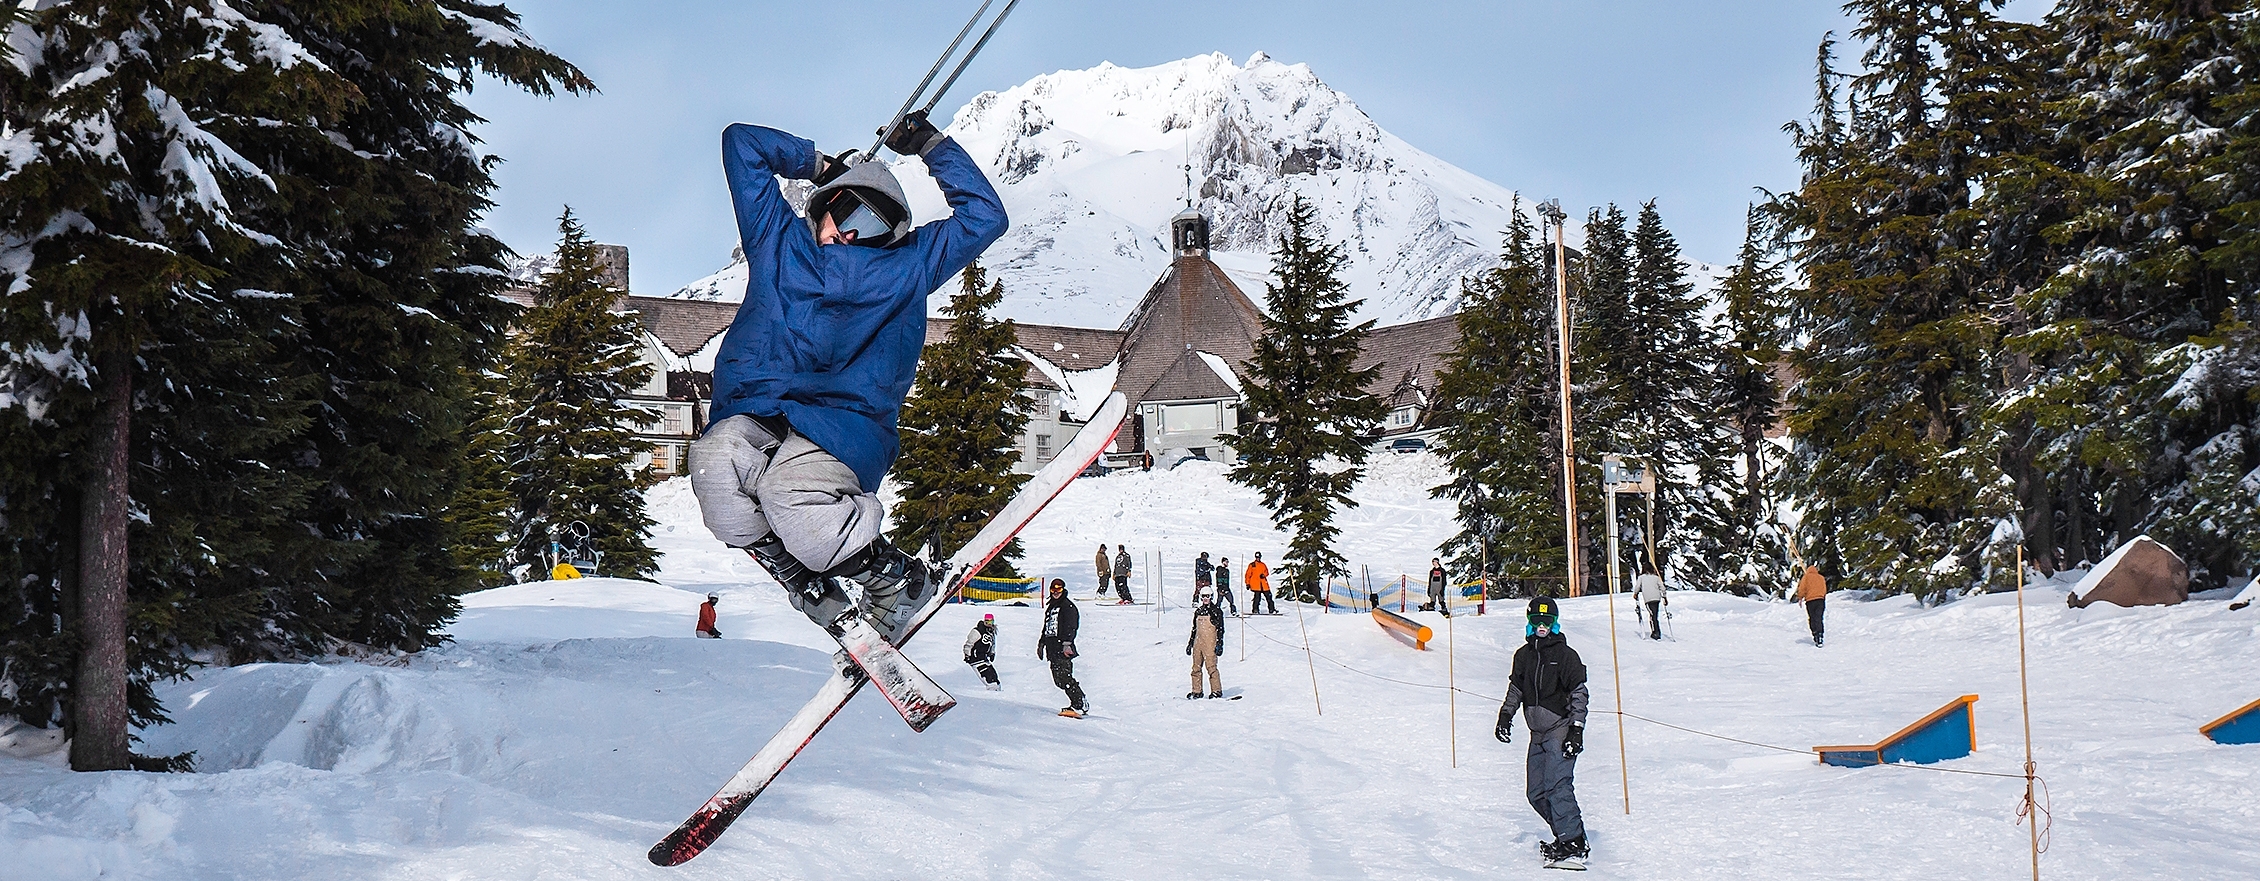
(684, 326)
(1192, 307)
(1410, 355)
(1071, 348)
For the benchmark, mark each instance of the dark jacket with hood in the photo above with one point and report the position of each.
(1549, 679)
(1215, 618)
(829, 336)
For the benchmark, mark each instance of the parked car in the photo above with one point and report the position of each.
(1097, 468)
(1408, 445)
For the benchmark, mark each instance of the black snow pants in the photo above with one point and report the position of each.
(1122, 587)
(1813, 611)
(987, 670)
(1063, 675)
(1655, 619)
(1550, 783)
(1258, 600)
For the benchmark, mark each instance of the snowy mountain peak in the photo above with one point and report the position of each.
(1092, 164)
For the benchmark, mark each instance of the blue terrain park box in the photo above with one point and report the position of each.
(1950, 732)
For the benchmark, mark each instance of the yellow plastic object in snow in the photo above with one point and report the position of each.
(564, 571)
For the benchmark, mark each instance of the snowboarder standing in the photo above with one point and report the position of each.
(1204, 574)
(1548, 684)
(706, 618)
(1438, 586)
(1206, 641)
(812, 373)
(1224, 586)
(981, 650)
(1812, 590)
(1106, 575)
(1258, 580)
(1122, 573)
(1057, 645)
(1648, 590)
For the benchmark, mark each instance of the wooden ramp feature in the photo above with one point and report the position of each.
(2241, 725)
(1404, 628)
(1950, 732)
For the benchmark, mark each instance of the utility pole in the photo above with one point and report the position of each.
(1551, 210)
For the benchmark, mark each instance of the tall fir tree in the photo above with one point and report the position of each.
(961, 427)
(1667, 391)
(570, 450)
(1903, 485)
(2147, 194)
(1756, 555)
(165, 232)
(1307, 418)
(1505, 482)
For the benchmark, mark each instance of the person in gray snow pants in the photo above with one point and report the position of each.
(1548, 684)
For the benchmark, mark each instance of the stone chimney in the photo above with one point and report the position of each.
(612, 260)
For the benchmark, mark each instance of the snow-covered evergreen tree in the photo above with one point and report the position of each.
(1506, 477)
(1668, 397)
(1756, 556)
(1307, 418)
(1902, 485)
(569, 448)
(960, 429)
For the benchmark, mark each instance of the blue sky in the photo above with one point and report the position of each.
(1589, 102)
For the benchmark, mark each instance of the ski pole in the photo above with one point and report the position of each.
(936, 98)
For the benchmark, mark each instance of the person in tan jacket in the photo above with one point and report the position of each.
(1106, 574)
(1812, 590)
(1205, 642)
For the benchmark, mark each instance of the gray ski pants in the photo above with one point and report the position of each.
(749, 484)
(1548, 779)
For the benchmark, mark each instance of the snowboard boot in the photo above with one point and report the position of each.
(1215, 694)
(895, 585)
(1192, 695)
(816, 596)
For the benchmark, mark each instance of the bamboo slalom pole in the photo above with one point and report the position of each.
(2024, 689)
(1321, 707)
(1452, 687)
(1624, 772)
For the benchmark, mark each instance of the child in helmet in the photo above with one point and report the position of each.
(1548, 683)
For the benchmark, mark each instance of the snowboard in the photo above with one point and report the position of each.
(711, 819)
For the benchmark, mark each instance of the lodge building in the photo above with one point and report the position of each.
(1180, 357)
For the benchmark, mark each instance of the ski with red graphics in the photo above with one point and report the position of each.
(708, 823)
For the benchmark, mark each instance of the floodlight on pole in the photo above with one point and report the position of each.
(1551, 210)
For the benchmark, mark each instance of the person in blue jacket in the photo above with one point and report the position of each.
(812, 373)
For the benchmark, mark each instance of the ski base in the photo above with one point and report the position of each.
(710, 820)
(915, 695)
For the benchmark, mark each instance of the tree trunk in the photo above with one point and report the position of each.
(98, 706)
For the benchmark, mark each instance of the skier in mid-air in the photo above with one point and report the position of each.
(1549, 680)
(812, 373)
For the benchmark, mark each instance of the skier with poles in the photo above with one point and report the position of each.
(813, 371)
(1548, 684)
(981, 651)
(1648, 591)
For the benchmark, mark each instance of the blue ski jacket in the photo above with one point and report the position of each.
(829, 336)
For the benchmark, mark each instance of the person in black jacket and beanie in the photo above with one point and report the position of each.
(1548, 683)
(1058, 646)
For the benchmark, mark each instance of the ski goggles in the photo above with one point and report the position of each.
(851, 214)
(1551, 623)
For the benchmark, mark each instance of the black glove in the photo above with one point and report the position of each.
(914, 135)
(1505, 732)
(1574, 742)
(829, 168)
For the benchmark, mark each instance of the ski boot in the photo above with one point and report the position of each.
(895, 586)
(818, 597)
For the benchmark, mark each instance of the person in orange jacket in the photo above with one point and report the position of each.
(1812, 590)
(706, 618)
(1258, 580)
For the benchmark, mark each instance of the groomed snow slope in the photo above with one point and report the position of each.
(574, 723)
